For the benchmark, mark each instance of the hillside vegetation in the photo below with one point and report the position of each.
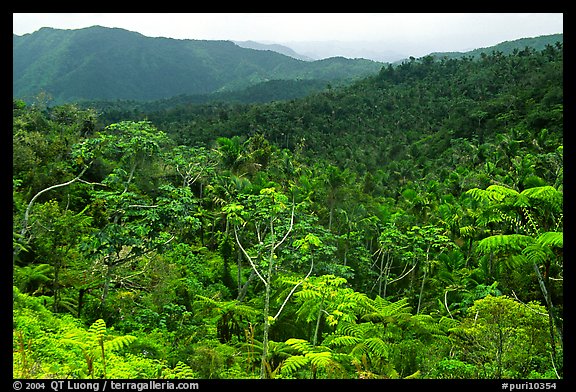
(99, 63)
(406, 226)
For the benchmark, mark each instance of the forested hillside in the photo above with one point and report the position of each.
(407, 226)
(105, 63)
(508, 47)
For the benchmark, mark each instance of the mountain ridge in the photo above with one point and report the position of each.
(506, 47)
(278, 48)
(113, 63)
(102, 63)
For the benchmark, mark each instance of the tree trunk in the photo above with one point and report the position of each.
(264, 362)
(421, 291)
(315, 338)
(423, 280)
(386, 273)
(105, 290)
(550, 308)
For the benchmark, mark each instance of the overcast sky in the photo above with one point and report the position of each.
(421, 33)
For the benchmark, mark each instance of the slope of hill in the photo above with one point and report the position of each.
(507, 47)
(404, 113)
(112, 63)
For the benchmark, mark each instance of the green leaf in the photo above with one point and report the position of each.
(300, 345)
(344, 340)
(377, 346)
(293, 363)
(321, 359)
(551, 238)
(504, 243)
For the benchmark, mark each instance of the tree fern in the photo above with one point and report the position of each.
(504, 243)
(180, 371)
(528, 213)
(93, 344)
(318, 357)
(294, 363)
(377, 347)
(541, 251)
(299, 345)
(547, 195)
(467, 231)
(425, 325)
(342, 340)
(383, 310)
(552, 238)
(33, 277)
(494, 193)
(363, 342)
(228, 316)
(118, 343)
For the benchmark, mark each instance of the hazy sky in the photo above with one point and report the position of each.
(426, 32)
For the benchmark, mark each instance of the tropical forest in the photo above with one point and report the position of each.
(407, 224)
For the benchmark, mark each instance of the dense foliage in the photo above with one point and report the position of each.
(508, 47)
(407, 226)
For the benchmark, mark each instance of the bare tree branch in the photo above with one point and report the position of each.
(27, 213)
(249, 258)
(294, 289)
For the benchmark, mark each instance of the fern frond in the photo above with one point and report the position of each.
(293, 363)
(119, 342)
(359, 350)
(428, 325)
(345, 340)
(377, 347)
(447, 323)
(477, 194)
(321, 359)
(467, 231)
(278, 349)
(300, 345)
(31, 275)
(494, 193)
(74, 340)
(504, 243)
(97, 330)
(546, 194)
(499, 193)
(360, 300)
(515, 261)
(522, 201)
(352, 329)
(552, 239)
(387, 311)
(183, 371)
(537, 254)
(307, 294)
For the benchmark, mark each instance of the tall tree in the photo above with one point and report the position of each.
(270, 219)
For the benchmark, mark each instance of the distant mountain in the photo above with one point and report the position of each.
(377, 51)
(383, 52)
(273, 47)
(111, 63)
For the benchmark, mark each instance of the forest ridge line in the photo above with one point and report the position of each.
(99, 63)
